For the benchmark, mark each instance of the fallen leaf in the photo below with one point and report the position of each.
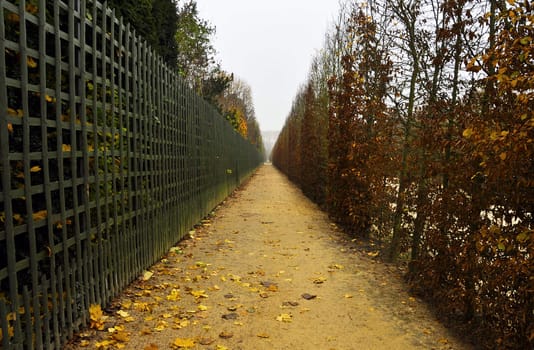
(206, 341)
(161, 325)
(202, 307)
(262, 335)
(221, 347)
(290, 303)
(198, 294)
(183, 343)
(201, 264)
(230, 316)
(84, 343)
(35, 169)
(273, 288)
(97, 317)
(123, 313)
(151, 347)
(337, 267)
(174, 296)
(145, 331)
(147, 275)
(319, 280)
(104, 344)
(179, 324)
(121, 336)
(284, 318)
(226, 335)
(308, 296)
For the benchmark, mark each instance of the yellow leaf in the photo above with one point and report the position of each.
(66, 148)
(319, 280)
(525, 40)
(160, 326)
(18, 219)
(174, 296)
(104, 344)
(147, 275)
(183, 343)
(10, 128)
(121, 336)
(198, 294)
(123, 313)
(49, 99)
(284, 318)
(181, 324)
(337, 266)
(97, 317)
(262, 335)
(15, 113)
(467, 133)
(202, 307)
(31, 62)
(84, 343)
(32, 8)
(40, 215)
(503, 156)
(35, 169)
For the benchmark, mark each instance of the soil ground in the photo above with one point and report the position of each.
(268, 270)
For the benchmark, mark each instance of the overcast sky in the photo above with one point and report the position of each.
(269, 44)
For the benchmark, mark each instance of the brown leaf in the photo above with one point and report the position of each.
(226, 335)
(308, 296)
(230, 316)
(206, 341)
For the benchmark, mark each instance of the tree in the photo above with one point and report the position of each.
(155, 20)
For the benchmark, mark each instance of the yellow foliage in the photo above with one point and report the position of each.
(97, 317)
(183, 343)
(31, 62)
(40, 215)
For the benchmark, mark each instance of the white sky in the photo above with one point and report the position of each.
(270, 45)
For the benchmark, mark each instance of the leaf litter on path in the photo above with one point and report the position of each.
(209, 292)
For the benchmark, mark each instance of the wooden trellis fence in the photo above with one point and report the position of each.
(106, 160)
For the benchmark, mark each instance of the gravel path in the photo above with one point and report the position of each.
(267, 271)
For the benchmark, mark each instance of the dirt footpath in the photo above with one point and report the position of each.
(267, 271)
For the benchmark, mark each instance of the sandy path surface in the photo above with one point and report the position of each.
(268, 271)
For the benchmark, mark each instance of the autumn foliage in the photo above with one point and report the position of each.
(410, 134)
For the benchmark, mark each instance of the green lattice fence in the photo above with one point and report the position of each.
(106, 160)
